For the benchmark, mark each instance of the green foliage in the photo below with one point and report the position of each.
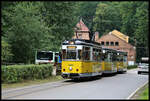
(18, 73)
(132, 67)
(26, 31)
(29, 26)
(130, 18)
(59, 16)
(145, 94)
(142, 30)
(107, 17)
(6, 52)
(86, 11)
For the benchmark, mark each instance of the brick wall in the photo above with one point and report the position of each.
(81, 35)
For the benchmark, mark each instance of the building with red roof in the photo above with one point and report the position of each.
(81, 31)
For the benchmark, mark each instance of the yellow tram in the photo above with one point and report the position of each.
(85, 58)
(81, 58)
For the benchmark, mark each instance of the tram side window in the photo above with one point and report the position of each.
(86, 53)
(108, 57)
(63, 54)
(114, 57)
(99, 55)
(125, 58)
(96, 54)
(119, 58)
(104, 56)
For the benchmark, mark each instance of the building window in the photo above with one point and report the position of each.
(116, 43)
(112, 43)
(80, 35)
(107, 43)
(102, 43)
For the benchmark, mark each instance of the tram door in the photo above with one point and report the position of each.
(110, 56)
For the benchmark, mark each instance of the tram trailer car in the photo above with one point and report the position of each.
(113, 61)
(81, 58)
(109, 63)
(121, 61)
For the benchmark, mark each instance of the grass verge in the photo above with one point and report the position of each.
(142, 93)
(31, 82)
(145, 94)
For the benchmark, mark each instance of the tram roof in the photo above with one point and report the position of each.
(104, 48)
(80, 42)
(114, 50)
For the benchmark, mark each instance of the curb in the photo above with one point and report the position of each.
(136, 90)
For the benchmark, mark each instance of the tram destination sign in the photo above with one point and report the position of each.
(71, 47)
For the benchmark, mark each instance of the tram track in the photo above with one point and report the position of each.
(34, 88)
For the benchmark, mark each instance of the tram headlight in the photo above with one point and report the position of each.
(70, 68)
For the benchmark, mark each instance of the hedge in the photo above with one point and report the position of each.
(132, 67)
(18, 73)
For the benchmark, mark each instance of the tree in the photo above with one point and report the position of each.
(128, 11)
(59, 16)
(86, 11)
(26, 31)
(6, 52)
(142, 30)
(107, 17)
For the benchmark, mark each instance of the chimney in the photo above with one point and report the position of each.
(96, 36)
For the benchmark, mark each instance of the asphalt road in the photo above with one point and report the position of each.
(119, 86)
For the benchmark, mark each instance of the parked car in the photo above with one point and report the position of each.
(143, 68)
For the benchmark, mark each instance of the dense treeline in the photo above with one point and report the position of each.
(29, 26)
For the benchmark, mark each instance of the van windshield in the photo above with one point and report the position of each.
(44, 55)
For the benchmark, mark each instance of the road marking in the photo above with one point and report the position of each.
(31, 89)
(136, 90)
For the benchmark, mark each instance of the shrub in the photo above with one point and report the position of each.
(131, 66)
(18, 73)
(6, 52)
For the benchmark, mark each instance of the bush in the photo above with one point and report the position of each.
(6, 52)
(132, 67)
(18, 73)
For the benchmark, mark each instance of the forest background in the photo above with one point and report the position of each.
(29, 26)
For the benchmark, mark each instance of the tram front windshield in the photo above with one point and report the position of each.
(71, 54)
